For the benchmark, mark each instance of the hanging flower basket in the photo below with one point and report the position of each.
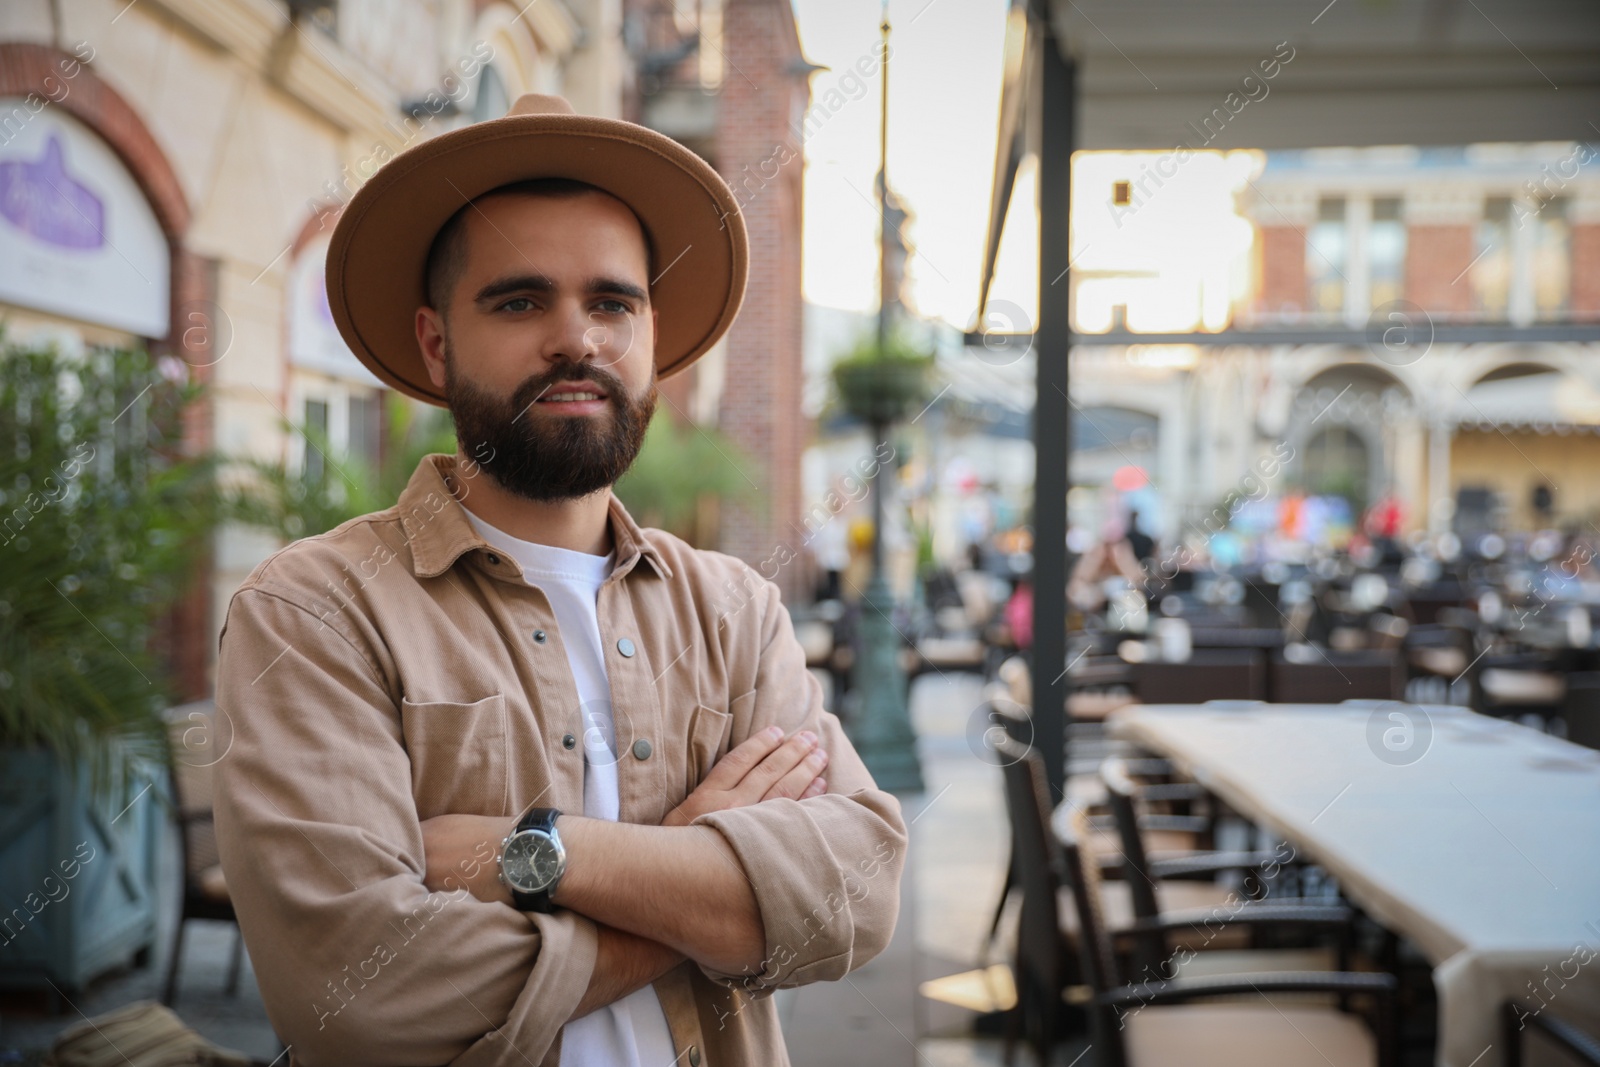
(881, 389)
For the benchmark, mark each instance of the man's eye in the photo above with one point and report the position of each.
(519, 303)
(612, 307)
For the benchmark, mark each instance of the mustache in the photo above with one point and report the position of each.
(529, 392)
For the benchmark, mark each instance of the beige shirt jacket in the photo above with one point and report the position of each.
(398, 668)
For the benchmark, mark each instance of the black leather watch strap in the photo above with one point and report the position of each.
(539, 819)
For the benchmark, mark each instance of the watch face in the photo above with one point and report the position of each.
(532, 861)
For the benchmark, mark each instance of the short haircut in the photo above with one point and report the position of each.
(447, 256)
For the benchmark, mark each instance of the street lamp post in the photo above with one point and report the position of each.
(881, 723)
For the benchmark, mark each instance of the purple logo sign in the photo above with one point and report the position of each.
(39, 198)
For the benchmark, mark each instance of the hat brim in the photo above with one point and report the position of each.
(377, 258)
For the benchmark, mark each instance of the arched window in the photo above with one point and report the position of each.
(1337, 463)
(78, 239)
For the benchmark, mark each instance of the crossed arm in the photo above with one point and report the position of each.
(658, 894)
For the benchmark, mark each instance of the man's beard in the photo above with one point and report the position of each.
(549, 458)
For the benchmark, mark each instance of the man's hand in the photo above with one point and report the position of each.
(765, 767)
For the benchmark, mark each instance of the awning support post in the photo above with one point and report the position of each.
(1051, 437)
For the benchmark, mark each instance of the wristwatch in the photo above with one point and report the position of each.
(532, 860)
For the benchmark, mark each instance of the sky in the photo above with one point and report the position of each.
(1177, 259)
(944, 106)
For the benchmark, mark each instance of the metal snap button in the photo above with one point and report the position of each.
(539, 637)
(494, 559)
(641, 749)
(625, 646)
(569, 741)
(694, 1056)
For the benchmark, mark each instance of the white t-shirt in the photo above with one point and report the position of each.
(631, 1032)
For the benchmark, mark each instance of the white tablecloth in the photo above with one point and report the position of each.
(1477, 839)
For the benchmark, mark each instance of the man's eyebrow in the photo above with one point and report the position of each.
(541, 283)
(617, 287)
(514, 283)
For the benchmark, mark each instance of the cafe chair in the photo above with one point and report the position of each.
(947, 654)
(1008, 730)
(1325, 676)
(1047, 961)
(1580, 708)
(1518, 1021)
(1015, 675)
(1166, 834)
(1221, 636)
(205, 890)
(1520, 685)
(1098, 686)
(1439, 651)
(1214, 936)
(1156, 1024)
(1208, 674)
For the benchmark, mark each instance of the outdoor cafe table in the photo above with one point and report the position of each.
(1475, 838)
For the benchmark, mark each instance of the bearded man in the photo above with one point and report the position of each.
(511, 779)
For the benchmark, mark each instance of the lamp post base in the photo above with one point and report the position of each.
(881, 723)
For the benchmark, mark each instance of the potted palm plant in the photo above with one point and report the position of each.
(101, 513)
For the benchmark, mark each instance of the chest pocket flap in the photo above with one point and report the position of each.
(458, 756)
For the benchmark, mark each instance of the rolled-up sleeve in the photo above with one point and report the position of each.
(826, 871)
(321, 846)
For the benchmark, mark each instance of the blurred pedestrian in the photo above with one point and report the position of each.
(1111, 557)
(1143, 545)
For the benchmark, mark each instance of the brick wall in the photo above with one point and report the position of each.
(759, 153)
(1436, 256)
(1586, 270)
(1283, 270)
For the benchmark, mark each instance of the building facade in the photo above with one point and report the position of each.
(1423, 302)
(173, 170)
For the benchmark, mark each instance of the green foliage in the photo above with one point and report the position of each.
(101, 518)
(677, 468)
(302, 503)
(883, 386)
(927, 563)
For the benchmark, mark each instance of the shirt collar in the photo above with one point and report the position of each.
(439, 532)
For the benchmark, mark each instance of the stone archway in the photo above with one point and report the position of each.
(1336, 461)
(1356, 434)
(1526, 439)
(66, 81)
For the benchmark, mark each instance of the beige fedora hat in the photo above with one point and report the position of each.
(379, 251)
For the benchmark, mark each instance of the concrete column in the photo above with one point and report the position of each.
(1358, 276)
(1439, 434)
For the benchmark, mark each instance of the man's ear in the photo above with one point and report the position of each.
(430, 339)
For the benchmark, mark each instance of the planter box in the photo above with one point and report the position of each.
(77, 871)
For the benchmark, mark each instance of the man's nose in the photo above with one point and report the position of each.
(574, 338)
(584, 335)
